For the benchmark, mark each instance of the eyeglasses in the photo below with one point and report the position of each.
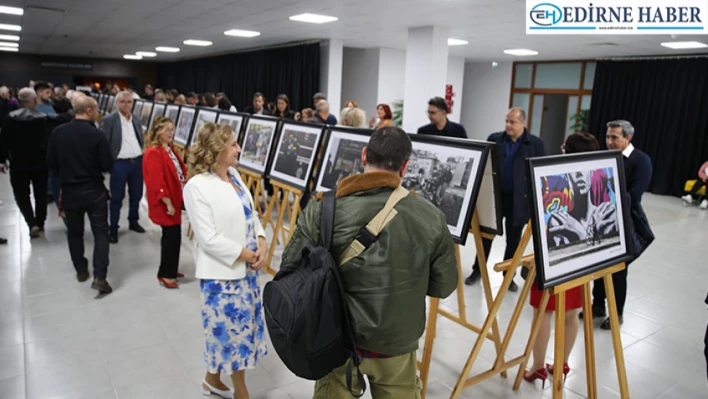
(432, 112)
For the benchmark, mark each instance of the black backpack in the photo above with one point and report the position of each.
(306, 313)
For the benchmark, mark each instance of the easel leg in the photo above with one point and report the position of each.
(616, 337)
(293, 218)
(430, 332)
(559, 353)
(278, 228)
(589, 343)
(535, 328)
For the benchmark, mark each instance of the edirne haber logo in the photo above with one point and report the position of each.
(607, 17)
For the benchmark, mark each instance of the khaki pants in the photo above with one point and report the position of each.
(392, 378)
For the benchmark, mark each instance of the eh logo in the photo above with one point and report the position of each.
(546, 14)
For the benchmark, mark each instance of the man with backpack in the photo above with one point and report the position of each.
(393, 249)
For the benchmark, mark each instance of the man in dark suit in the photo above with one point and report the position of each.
(79, 154)
(637, 172)
(513, 146)
(439, 124)
(257, 108)
(125, 137)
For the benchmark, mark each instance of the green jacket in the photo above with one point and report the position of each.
(387, 284)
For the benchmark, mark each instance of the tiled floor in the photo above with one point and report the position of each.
(57, 340)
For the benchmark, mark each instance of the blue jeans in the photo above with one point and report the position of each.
(130, 172)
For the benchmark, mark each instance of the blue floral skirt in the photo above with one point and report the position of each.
(232, 315)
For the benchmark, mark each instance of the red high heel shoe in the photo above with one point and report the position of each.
(540, 374)
(180, 275)
(566, 370)
(167, 284)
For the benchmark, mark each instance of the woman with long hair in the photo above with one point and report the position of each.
(230, 249)
(282, 107)
(383, 112)
(164, 174)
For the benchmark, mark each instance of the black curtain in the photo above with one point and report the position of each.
(294, 71)
(667, 102)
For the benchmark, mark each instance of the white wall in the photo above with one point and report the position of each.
(360, 78)
(331, 59)
(456, 78)
(392, 76)
(485, 98)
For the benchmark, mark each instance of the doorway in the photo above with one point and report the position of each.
(555, 109)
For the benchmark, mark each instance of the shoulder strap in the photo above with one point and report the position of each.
(369, 234)
(327, 218)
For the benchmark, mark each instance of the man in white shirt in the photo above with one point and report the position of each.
(125, 138)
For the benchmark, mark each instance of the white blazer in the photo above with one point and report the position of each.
(219, 223)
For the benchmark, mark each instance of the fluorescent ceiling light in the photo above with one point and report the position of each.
(242, 33)
(132, 57)
(684, 45)
(11, 10)
(15, 49)
(9, 37)
(202, 43)
(456, 42)
(9, 44)
(313, 18)
(15, 28)
(521, 52)
(146, 54)
(167, 49)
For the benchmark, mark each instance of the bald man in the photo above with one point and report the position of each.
(79, 154)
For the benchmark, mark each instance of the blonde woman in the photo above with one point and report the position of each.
(355, 117)
(231, 248)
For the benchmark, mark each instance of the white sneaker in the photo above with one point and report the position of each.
(687, 198)
(704, 204)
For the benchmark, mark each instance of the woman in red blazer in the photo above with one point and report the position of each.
(165, 175)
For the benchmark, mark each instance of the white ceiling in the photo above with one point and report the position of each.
(111, 28)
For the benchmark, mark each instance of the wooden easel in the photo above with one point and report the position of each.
(560, 292)
(283, 208)
(461, 317)
(254, 184)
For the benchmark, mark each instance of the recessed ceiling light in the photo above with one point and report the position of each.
(15, 49)
(9, 44)
(167, 49)
(684, 45)
(456, 42)
(11, 10)
(16, 28)
(132, 57)
(146, 54)
(521, 52)
(313, 18)
(202, 43)
(242, 33)
(9, 37)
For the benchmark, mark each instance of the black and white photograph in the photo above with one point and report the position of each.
(235, 120)
(579, 215)
(342, 156)
(103, 99)
(145, 115)
(295, 154)
(172, 112)
(157, 110)
(110, 105)
(448, 173)
(489, 208)
(138, 108)
(257, 143)
(184, 125)
(203, 116)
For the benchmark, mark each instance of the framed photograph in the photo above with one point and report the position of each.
(172, 112)
(158, 109)
(110, 104)
(342, 156)
(102, 103)
(233, 119)
(184, 125)
(145, 115)
(489, 208)
(138, 108)
(203, 116)
(258, 143)
(296, 153)
(580, 214)
(448, 173)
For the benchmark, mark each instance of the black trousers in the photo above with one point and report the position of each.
(619, 280)
(169, 251)
(20, 181)
(699, 184)
(705, 348)
(92, 202)
(513, 232)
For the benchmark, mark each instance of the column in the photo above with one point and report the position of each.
(331, 56)
(426, 73)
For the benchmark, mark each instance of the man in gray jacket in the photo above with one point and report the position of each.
(125, 138)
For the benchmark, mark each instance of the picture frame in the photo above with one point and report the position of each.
(258, 139)
(158, 109)
(203, 116)
(448, 173)
(138, 108)
(145, 115)
(102, 103)
(235, 119)
(295, 153)
(576, 200)
(172, 112)
(110, 104)
(341, 156)
(183, 126)
(489, 205)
